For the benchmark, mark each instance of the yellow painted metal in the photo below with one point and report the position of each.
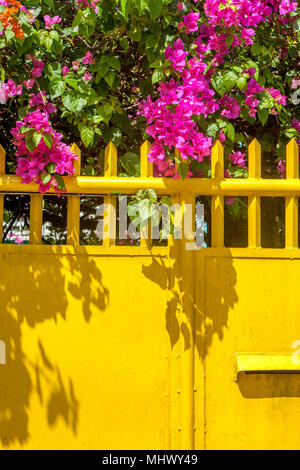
(186, 316)
(109, 218)
(73, 209)
(266, 363)
(291, 202)
(254, 212)
(146, 166)
(146, 171)
(168, 186)
(217, 203)
(2, 171)
(138, 347)
(87, 352)
(36, 218)
(250, 305)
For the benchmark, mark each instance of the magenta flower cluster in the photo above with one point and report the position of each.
(172, 119)
(41, 164)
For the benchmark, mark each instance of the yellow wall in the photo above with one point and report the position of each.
(121, 347)
(87, 352)
(98, 344)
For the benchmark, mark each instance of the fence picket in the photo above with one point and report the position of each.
(73, 211)
(146, 171)
(217, 203)
(110, 202)
(291, 202)
(254, 208)
(2, 171)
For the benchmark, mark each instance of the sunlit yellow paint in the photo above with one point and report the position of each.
(36, 218)
(146, 347)
(2, 171)
(146, 171)
(254, 213)
(266, 363)
(291, 202)
(217, 203)
(73, 208)
(109, 218)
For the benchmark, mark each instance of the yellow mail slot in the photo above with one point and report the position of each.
(271, 363)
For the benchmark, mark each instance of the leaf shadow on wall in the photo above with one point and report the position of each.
(187, 295)
(33, 290)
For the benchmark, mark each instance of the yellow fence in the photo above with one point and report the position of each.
(115, 347)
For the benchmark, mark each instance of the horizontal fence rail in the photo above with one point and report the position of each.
(180, 190)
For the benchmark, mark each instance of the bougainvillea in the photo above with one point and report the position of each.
(198, 70)
(8, 17)
(210, 79)
(39, 148)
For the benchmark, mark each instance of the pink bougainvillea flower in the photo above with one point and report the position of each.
(281, 168)
(222, 136)
(246, 34)
(287, 7)
(88, 58)
(50, 22)
(18, 240)
(29, 83)
(278, 97)
(231, 107)
(177, 55)
(87, 77)
(65, 70)
(229, 200)
(75, 65)
(296, 124)
(38, 67)
(237, 158)
(90, 4)
(12, 89)
(190, 22)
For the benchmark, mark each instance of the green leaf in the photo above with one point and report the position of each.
(74, 102)
(87, 135)
(71, 80)
(141, 5)
(125, 5)
(50, 3)
(229, 41)
(131, 163)
(125, 44)
(256, 49)
(155, 7)
(157, 76)
(54, 68)
(230, 132)
(29, 142)
(114, 62)
(110, 78)
(105, 111)
(241, 83)
(263, 115)
(224, 81)
(56, 87)
(183, 170)
(60, 181)
(45, 177)
(36, 138)
(51, 167)
(48, 140)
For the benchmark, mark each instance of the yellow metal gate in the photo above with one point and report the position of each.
(140, 347)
